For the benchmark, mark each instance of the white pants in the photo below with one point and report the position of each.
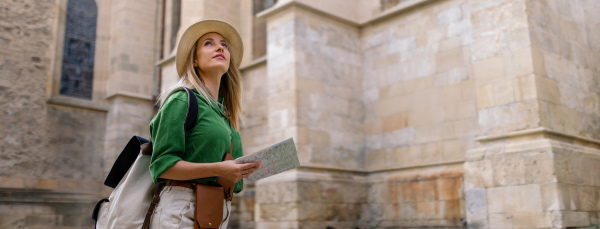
(176, 209)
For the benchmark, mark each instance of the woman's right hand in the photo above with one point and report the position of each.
(233, 171)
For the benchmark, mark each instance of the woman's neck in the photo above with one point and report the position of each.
(212, 83)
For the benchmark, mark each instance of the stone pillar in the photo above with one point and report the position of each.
(131, 81)
(537, 159)
(330, 187)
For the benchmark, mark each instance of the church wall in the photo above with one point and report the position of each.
(420, 114)
(51, 153)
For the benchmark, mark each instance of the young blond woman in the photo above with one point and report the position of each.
(207, 61)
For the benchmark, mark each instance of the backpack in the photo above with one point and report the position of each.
(134, 198)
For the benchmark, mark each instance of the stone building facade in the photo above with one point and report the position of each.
(405, 113)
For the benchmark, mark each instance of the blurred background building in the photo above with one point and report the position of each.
(406, 113)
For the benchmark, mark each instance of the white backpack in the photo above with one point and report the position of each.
(131, 204)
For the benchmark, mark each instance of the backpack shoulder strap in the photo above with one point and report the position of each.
(191, 117)
(129, 154)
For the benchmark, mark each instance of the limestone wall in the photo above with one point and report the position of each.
(420, 114)
(51, 148)
(563, 40)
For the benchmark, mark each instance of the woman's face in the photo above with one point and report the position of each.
(212, 54)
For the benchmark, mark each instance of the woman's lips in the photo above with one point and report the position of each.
(219, 56)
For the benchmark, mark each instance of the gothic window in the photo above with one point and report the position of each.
(259, 28)
(176, 21)
(78, 54)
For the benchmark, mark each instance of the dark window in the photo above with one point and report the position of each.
(77, 73)
(176, 21)
(259, 28)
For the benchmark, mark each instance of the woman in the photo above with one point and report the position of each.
(207, 61)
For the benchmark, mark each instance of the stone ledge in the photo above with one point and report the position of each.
(77, 103)
(382, 16)
(540, 130)
(35, 196)
(256, 62)
(51, 185)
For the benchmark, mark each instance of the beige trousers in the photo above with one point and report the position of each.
(176, 209)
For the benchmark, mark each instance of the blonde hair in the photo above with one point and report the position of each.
(230, 88)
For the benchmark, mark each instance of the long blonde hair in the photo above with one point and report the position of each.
(230, 88)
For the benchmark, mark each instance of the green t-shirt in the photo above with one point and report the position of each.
(208, 142)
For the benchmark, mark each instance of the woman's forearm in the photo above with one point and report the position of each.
(184, 170)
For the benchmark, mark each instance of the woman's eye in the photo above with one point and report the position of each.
(207, 43)
(224, 45)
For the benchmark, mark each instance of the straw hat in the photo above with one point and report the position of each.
(197, 30)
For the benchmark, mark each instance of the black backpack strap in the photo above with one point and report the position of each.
(191, 117)
(124, 161)
(132, 149)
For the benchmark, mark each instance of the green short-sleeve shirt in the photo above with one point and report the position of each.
(208, 142)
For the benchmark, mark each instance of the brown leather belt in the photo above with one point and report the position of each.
(185, 184)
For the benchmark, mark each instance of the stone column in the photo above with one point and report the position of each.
(131, 82)
(537, 162)
(318, 106)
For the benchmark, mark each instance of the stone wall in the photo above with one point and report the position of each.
(532, 166)
(51, 150)
(420, 114)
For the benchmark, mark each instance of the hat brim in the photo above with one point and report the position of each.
(197, 30)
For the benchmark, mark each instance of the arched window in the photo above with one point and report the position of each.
(77, 73)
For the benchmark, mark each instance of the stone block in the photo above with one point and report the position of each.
(509, 117)
(485, 96)
(521, 63)
(548, 90)
(587, 197)
(449, 16)
(410, 191)
(310, 191)
(377, 193)
(342, 212)
(450, 209)
(477, 208)
(503, 92)
(539, 167)
(427, 210)
(373, 126)
(311, 211)
(427, 190)
(500, 221)
(407, 211)
(478, 174)
(449, 59)
(489, 69)
(394, 122)
(509, 169)
(555, 196)
(375, 160)
(449, 189)
(525, 87)
(281, 212)
(454, 150)
(568, 219)
(523, 199)
(319, 137)
(532, 220)
(12, 220)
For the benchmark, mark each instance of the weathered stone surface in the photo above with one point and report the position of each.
(477, 208)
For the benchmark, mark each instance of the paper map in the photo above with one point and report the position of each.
(277, 158)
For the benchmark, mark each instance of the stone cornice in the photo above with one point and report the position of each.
(77, 103)
(256, 62)
(539, 130)
(404, 6)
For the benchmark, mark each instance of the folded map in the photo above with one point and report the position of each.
(276, 158)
